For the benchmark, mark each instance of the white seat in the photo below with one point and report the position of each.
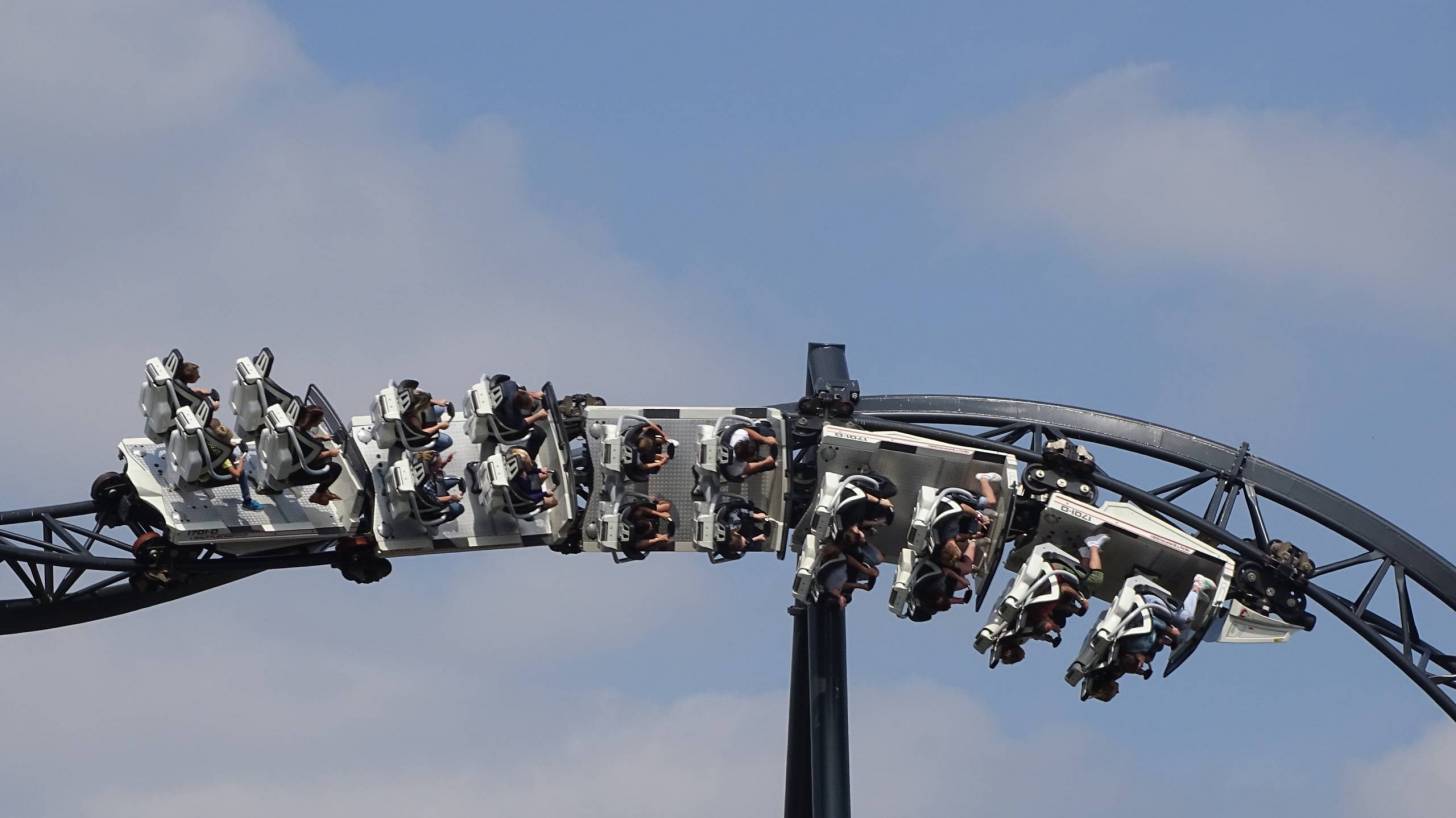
(188, 458)
(1039, 580)
(386, 417)
(713, 452)
(248, 397)
(619, 456)
(405, 497)
(284, 451)
(1127, 616)
(159, 400)
(496, 472)
(253, 391)
(837, 493)
(483, 403)
(387, 424)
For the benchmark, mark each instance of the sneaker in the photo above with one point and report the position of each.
(252, 505)
(989, 477)
(1097, 540)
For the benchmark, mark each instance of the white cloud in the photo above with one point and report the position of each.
(1119, 169)
(1408, 782)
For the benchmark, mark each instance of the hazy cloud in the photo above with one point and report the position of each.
(1118, 168)
(1410, 781)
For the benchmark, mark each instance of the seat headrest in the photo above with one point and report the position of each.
(277, 418)
(248, 371)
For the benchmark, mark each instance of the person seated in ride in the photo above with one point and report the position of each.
(651, 448)
(308, 420)
(440, 486)
(435, 470)
(645, 520)
(936, 594)
(219, 439)
(188, 374)
(744, 445)
(426, 415)
(960, 541)
(745, 529)
(1169, 626)
(523, 409)
(860, 519)
(857, 571)
(1045, 620)
(529, 482)
(1102, 683)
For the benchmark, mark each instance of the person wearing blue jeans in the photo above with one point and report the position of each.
(236, 463)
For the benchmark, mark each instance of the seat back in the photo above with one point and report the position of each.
(285, 452)
(159, 400)
(488, 416)
(193, 456)
(253, 391)
(386, 415)
(407, 494)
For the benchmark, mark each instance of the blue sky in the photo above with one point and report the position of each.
(1231, 220)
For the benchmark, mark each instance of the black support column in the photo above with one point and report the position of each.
(798, 775)
(818, 716)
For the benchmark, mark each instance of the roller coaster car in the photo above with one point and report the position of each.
(409, 497)
(934, 510)
(162, 395)
(253, 392)
(490, 413)
(620, 452)
(855, 467)
(1040, 579)
(194, 457)
(715, 446)
(719, 522)
(618, 533)
(608, 464)
(187, 488)
(387, 419)
(285, 451)
(503, 484)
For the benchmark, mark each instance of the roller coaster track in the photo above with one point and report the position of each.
(73, 571)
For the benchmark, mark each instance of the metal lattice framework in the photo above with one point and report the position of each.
(72, 571)
(1235, 474)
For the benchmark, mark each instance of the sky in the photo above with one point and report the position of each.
(1232, 219)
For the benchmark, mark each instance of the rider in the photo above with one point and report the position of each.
(309, 418)
(1135, 653)
(745, 462)
(957, 535)
(1045, 620)
(643, 519)
(426, 415)
(220, 439)
(651, 445)
(857, 572)
(741, 520)
(189, 374)
(524, 409)
(529, 481)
